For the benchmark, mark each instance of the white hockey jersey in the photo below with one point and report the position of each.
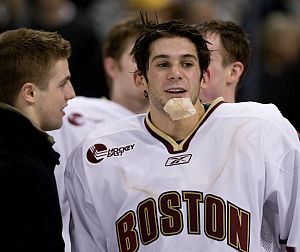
(231, 185)
(83, 115)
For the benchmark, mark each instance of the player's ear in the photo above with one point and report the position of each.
(139, 80)
(110, 67)
(236, 71)
(205, 79)
(28, 92)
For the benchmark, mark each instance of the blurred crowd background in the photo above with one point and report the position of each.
(273, 27)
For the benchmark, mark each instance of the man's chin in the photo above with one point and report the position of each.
(54, 126)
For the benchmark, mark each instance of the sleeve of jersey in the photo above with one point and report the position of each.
(282, 159)
(84, 220)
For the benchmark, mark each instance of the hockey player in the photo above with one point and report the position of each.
(230, 57)
(185, 177)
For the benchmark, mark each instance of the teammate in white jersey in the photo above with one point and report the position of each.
(85, 114)
(230, 57)
(185, 177)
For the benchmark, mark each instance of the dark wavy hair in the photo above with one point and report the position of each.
(169, 29)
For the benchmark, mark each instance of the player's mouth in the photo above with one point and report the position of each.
(176, 92)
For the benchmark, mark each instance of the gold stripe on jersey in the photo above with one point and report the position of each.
(169, 142)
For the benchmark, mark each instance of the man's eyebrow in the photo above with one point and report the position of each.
(68, 77)
(189, 56)
(163, 56)
(160, 56)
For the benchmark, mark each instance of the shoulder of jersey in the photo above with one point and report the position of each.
(81, 110)
(82, 103)
(265, 113)
(249, 109)
(131, 123)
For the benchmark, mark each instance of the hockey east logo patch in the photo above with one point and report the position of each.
(98, 152)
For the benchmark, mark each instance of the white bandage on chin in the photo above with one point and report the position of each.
(179, 108)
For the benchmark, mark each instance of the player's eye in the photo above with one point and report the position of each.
(163, 64)
(63, 84)
(187, 64)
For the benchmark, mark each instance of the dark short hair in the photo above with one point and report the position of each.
(26, 55)
(173, 28)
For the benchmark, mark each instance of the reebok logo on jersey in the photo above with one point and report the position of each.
(182, 159)
(98, 152)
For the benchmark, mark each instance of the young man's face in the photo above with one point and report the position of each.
(51, 101)
(215, 86)
(174, 71)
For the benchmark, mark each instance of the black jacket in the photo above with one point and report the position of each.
(30, 217)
